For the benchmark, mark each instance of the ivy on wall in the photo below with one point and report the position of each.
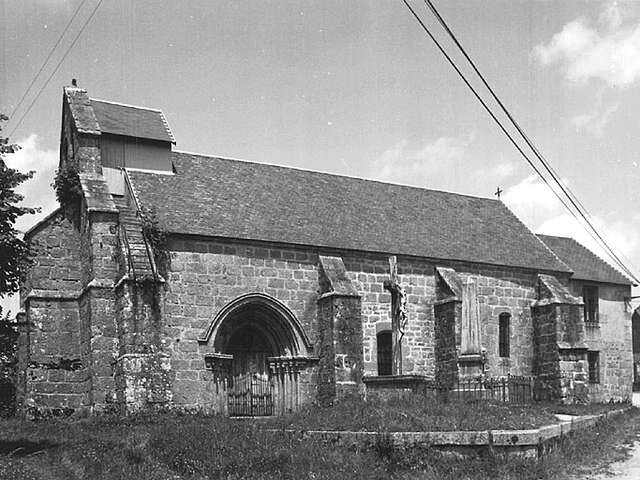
(156, 237)
(8, 339)
(67, 185)
(69, 191)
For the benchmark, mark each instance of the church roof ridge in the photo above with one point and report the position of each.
(331, 174)
(128, 105)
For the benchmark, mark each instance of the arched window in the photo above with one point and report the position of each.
(503, 334)
(384, 352)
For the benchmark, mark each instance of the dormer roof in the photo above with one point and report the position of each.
(131, 121)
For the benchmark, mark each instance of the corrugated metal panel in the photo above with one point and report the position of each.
(120, 152)
(147, 155)
(112, 151)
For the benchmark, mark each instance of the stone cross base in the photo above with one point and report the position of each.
(470, 366)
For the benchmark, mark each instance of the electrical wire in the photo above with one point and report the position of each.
(24, 95)
(57, 67)
(482, 102)
(580, 208)
(499, 123)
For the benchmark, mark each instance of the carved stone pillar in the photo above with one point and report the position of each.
(470, 359)
(285, 375)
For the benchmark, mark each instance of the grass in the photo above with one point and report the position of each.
(190, 447)
(412, 413)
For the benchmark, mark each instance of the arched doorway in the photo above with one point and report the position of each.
(260, 348)
(250, 344)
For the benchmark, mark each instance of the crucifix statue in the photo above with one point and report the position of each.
(398, 315)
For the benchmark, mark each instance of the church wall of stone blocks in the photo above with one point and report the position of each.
(127, 359)
(109, 324)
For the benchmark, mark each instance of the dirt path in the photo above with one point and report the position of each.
(626, 470)
(629, 468)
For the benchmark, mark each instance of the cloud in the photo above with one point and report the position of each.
(594, 121)
(532, 201)
(608, 51)
(402, 164)
(537, 206)
(37, 192)
(443, 163)
(501, 171)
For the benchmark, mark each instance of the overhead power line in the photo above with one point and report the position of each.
(24, 95)
(580, 208)
(507, 134)
(55, 70)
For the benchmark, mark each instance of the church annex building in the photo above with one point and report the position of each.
(173, 277)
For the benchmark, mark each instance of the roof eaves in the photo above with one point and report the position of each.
(166, 125)
(328, 249)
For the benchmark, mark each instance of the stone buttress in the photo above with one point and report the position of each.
(560, 351)
(340, 332)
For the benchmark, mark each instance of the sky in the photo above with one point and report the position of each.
(355, 88)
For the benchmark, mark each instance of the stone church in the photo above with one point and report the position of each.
(171, 278)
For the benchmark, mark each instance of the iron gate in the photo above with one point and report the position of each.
(251, 395)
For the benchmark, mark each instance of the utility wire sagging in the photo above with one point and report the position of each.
(57, 67)
(579, 212)
(44, 64)
(579, 207)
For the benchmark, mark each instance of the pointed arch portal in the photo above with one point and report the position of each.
(254, 328)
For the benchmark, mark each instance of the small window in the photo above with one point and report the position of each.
(593, 359)
(590, 299)
(503, 334)
(384, 353)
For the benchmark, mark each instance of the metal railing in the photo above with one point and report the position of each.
(509, 389)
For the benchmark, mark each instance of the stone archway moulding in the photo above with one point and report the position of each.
(302, 343)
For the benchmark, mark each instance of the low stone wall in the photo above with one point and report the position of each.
(532, 443)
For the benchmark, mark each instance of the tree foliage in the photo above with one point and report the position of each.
(14, 252)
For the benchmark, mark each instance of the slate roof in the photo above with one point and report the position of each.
(585, 264)
(130, 121)
(244, 200)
